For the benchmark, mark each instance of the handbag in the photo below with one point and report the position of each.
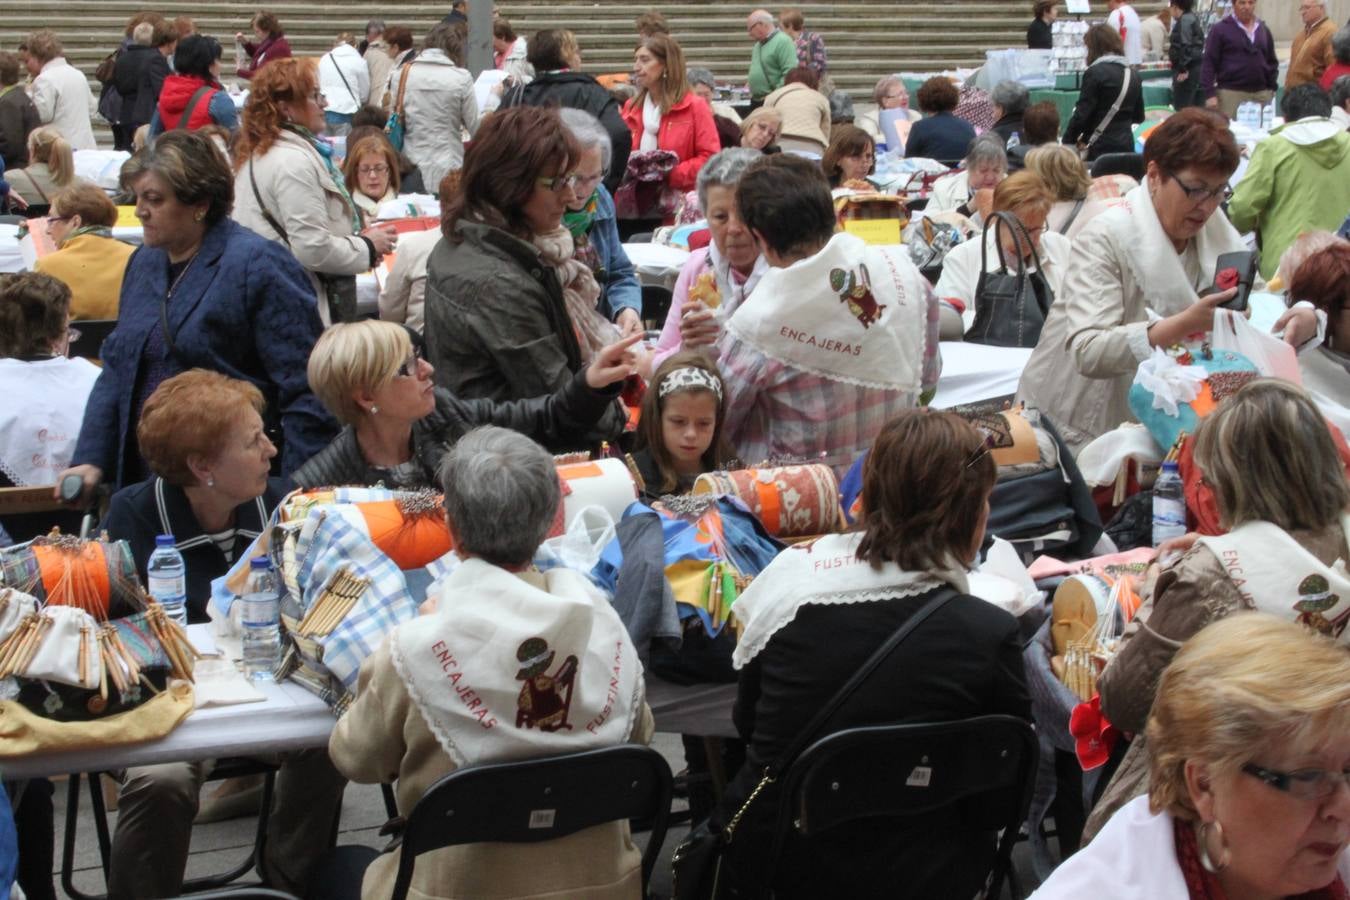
(697, 861)
(1010, 309)
(396, 129)
(645, 192)
(1085, 149)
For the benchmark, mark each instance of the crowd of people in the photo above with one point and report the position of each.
(241, 368)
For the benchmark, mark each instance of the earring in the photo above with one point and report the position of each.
(210, 482)
(374, 409)
(1225, 855)
(199, 216)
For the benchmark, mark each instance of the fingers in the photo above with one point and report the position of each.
(617, 350)
(1213, 300)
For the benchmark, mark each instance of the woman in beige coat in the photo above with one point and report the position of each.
(288, 189)
(540, 665)
(805, 112)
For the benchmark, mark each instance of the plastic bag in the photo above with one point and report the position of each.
(1270, 355)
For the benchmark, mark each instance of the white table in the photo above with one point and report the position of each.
(974, 372)
(656, 264)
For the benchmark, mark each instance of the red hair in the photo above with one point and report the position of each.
(1324, 280)
(289, 80)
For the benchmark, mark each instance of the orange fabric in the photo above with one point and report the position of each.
(580, 470)
(769, 506)
(410, 543)
(71, 580)
(1204, 404)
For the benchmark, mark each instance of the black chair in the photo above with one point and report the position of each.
(92, 333)
(985, 766)
(539, 800)
(242, 893)
(655, 304)
(1131, 164)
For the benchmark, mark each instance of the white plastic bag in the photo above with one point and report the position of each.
(1270, 355)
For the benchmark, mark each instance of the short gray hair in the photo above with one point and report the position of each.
(1340, 45)
(501, 494)
(587, 131)
(762, 15)
(375, 25)
(143, 34)
(987, 149)
(883, 87)
(700, 75)
(1011, 96)
(724, 169)
(1340, 91)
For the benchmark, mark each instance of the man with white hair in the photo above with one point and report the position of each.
(1311, 52)
(1125, 20)
(773, 56)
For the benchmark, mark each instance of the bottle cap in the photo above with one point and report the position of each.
(1169, 466)
(260, 562)
(164, 540)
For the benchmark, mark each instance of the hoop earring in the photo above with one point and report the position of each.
(1202, 839)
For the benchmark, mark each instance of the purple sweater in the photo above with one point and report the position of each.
(1234, 62)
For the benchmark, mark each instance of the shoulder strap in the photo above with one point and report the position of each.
(1073, 214)
(343, 77)
(262, 207)
(1115, 108)
(402, 86)
(37, 187)
(192, 106)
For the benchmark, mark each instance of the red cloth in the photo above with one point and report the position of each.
(687, 130)
(263, 52)
(174, 98)
(700, 239)
(1094, 737)
(1334, 71)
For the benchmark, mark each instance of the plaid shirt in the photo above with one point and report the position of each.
(811, 52)
(777, 411)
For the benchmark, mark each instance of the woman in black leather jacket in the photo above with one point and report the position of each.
(374, 378)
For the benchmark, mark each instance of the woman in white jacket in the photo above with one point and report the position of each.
(344, 79)
(288, 189)
(439, 106)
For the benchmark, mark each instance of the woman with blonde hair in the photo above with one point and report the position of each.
(1281, 491)
(1249, 776)
(759, 130)
(1079, 198)
(51, 168)
(666, 114)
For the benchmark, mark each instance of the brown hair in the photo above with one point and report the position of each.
(551, 48)
(34, 309)
(192, 165)
(649, 421)
(268, 22)
(502, 30)
(288, 80)
(1040, 123)
(512, 149)
(1043, 6)
(165, 33)
(925, 483)
(184, 26)
(9, 69)
(938, 94)
(651, 23)
(846, 140)
(1102, 40)
(1024, 188)
(1193, 138)
(792, 19)
(667, 50)
(803, 75)
(89, 202)
(191, 414)
(140, 17)
(43, 46)
(449, 39)
(1324, 279)
(365, 147)
(399, 36)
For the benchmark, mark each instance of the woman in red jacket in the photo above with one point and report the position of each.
(666, 114)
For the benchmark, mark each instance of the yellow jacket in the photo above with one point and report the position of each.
(92, 267)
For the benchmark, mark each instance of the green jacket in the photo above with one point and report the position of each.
(1298, 180)
(770, 61)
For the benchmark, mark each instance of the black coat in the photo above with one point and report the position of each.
(943, 137)
(1187, 48)
(1039, 35)
(1101, 87)
(1007, 126)
(578, 90)
(147, 92)
(563, 416)
(131, 64)
(18, 118)
(964, 661)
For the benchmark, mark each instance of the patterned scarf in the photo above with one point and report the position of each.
(580, 292)
(1201, 885)
(326, 152)
(102, 231)
(579, 221)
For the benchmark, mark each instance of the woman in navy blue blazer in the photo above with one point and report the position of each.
(203, 292)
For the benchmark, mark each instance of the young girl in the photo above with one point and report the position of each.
(680, 432)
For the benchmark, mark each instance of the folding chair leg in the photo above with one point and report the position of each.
(100, 822)
(68, 844)
(209, 882)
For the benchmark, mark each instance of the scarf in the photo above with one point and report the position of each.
(580, 292)
(875, 340)
(41, 418)
(513, 666)
(730, 293)
(102, 231)
(1201, 885)
(823, 572)
(579, 222)
(651, 124)
(1276, 575)
(326, 152)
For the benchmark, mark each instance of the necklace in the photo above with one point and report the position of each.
(173, 287)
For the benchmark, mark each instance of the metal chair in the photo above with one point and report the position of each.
(656, 300)
(538, 800)
(92, 334)
(243, 893)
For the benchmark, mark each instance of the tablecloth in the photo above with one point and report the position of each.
(656, 264)
(974, 372)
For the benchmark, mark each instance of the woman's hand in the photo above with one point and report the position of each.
(1182, 76)
(629, 322)
(384, 237)
(613, 364)
(1299, 324)
(698, 325)
(983, 201)
(1172, 549)
(239, 36)
(1212, 103)
(90, 477)
(1199, 317)
(17, 201)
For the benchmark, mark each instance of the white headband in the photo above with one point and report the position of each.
(690, 377)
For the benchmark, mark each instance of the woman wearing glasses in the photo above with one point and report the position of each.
(371, 174)
(373, 378)
(510, 313)
(1156, 254)
(1249, 792)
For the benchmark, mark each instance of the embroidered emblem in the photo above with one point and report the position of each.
(1317, 598)
(855, 290)
(545, 700)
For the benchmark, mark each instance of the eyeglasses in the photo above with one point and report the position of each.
(52, 220)
(381, 169)
(559, 183)
(1305, 784)
(409, 366)
(587, 183)
(1201, 194)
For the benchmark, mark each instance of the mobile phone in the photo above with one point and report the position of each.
(1235, 270)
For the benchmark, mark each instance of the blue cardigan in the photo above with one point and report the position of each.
(244, 308)
(619, 289)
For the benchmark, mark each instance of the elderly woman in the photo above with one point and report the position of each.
(51, 168)
(371, 174)
(805, 111)
(941, 136)
(1040, 35)
(372, 376)
(985, 165)
(1107, 110)
(547, 650)
(1280, 554)
(271, 44)
(1247, 795)
(666, 114)
(288, 189)
(1323, 279)
(759, 130)
(89, 259)
(507, 309)
(851, 157)
(1149, 258)
(193, 97)
(715, 279)
(203, 292)
(926, 486)
(1340, 50)
(889, 93)
(202, 433)
(591, 222)
(439, 106)
(1010, 99)
(1028, 200)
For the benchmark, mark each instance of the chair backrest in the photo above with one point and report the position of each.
(1131, 164)
(540, 800)
(655, 304)
(985, 765)
(92, 334)
(242, 893)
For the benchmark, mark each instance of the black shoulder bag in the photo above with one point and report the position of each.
(697, 861)
(1010, 309)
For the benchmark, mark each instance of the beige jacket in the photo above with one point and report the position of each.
(404, 293)
(440, 109)
(63, 100)
(298, 192)
(36, 185)
(383, 738)
(806, 113)
(380, 64)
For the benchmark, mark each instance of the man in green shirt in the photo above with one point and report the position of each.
(773, 56)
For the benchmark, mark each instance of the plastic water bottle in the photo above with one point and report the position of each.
(1015, 140)
(1169, 505)
(166, 577)
(260, 616)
